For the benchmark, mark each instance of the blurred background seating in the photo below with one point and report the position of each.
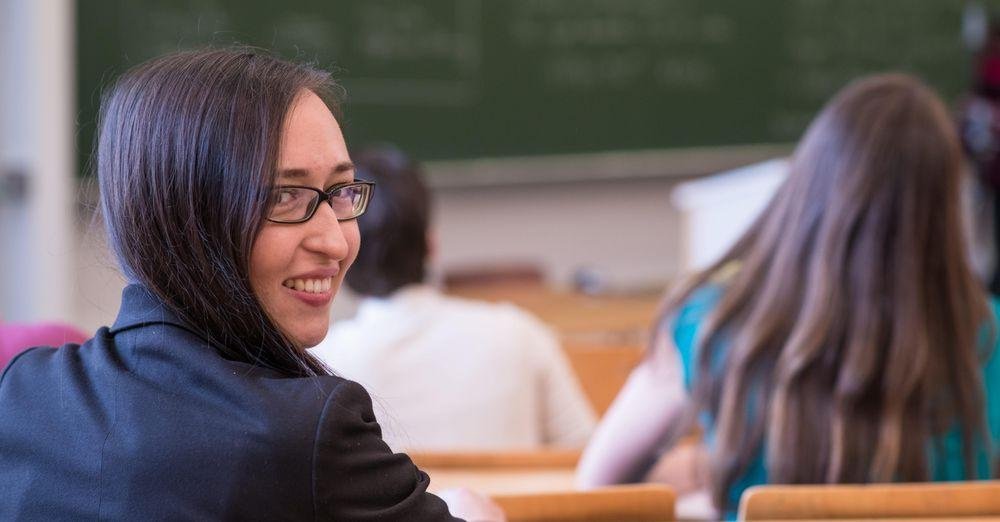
(496, 275)
(15, 338)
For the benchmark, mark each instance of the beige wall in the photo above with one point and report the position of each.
(36, 158)
(97, 281)
(625, 230)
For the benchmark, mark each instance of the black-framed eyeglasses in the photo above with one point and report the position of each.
(297, 204)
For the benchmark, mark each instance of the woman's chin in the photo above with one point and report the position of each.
(306, 326)
(307, 340)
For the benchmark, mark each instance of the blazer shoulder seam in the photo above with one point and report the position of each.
(14, 360)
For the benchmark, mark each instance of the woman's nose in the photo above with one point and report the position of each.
(325, 235)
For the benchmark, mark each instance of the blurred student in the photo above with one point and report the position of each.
(17, 337)
(230, 200)
(979, 124)
(446, 373)
(843, 338)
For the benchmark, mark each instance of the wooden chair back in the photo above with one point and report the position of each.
(574, 316)
(924, 501)
(633, 503)
(495, 275)
(602, 370)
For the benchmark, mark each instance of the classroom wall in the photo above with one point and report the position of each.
(97, 282)
(36, 159)
(624, 231)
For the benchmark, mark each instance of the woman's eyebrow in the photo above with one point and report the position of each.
(344, 166)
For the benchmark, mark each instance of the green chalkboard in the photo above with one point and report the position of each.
(452, 79)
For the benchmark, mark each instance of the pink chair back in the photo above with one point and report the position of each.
(15, 338)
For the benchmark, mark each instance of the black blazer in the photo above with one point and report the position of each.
(147, 422)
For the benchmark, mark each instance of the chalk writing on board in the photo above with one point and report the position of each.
(444, 38)
(598, 44)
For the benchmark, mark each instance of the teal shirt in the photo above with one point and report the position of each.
(946, 460)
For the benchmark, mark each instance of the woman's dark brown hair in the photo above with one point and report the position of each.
(852, 330)
(186, 151)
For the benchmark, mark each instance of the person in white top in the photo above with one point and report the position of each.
(445, 373)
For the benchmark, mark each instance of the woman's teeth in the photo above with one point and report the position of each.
(313, 286)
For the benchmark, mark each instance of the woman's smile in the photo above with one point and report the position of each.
(315, 288)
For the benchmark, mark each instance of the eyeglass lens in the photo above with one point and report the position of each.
(292, 204)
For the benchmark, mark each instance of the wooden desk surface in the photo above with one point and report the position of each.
(528, 459)
(492, 481)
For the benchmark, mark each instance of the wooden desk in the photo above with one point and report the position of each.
(528, 472)
(500, 472)
(542, 458)
(493, 481)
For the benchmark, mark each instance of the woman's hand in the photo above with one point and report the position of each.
(685, 467)
(471, 506)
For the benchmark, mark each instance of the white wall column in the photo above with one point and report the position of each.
(37, 159)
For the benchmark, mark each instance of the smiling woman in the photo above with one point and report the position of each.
(229, 199)
(297, 266)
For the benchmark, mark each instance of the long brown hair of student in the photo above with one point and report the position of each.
(853, 322)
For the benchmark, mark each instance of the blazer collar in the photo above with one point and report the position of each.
(140, 307)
